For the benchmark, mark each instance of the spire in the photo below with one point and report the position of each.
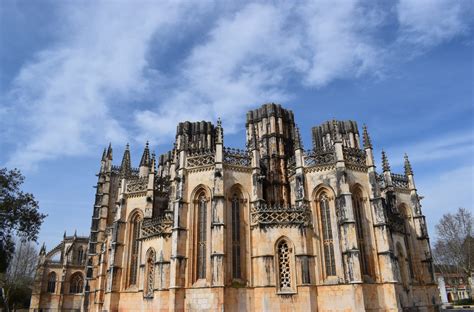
(385, 164)
(109, 152)
(126, 167)
(104, 154)
(64, 235)
(145, 162)
(75, 234)
(366, 137)
(43, 249)
(407, 165)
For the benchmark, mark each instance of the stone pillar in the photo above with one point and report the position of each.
(178, 237)
(218, 221)
(345, 215)
(387, 267)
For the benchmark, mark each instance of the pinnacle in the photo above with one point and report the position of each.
(385, 164)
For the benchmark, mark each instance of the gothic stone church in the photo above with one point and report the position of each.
(205, 227)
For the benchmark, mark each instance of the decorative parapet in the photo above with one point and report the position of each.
(263, 215)
(354, 156)
(236, 157)
(399, 180)
(160, 227)
(137, 185)
(320, 156)
(200, 158)
(134, 171)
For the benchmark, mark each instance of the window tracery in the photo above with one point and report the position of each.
(326, 229)
(284, 268)
(51, 283)
(77, 282)
(359, 214)
(135, 245)
(236, 266)
(202, 237)
(150, 274)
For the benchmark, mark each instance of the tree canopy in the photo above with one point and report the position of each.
(19, 215)
(454, 239)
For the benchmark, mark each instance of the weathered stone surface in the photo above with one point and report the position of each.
(270, 228)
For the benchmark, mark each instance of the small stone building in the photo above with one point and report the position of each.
(274, 227)
(59, 281)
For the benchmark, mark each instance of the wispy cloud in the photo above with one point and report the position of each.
(458, 145)
(73, 95)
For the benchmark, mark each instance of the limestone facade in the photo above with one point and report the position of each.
(274, 227)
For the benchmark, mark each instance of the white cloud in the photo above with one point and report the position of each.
(458, 145)
(429, 22)
(66, 98)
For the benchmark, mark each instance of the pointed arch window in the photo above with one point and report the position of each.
(76, 284)
(361, 223)
(51, 283)
(134, 248)
(150, 274)
(202, 237)
(284, 254)
(80, 255)
(327, 236)
(236, 266)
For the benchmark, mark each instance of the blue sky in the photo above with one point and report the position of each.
(77, 75)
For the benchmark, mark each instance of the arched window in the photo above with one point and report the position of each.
(134, 248)
(402, 263)
(361, 224)
(150, 274)
(284, 252)
(236, 267)
(76, 284)
(51, 283)
(326, 229)
(405, 214)
(202, 236)
(80, 255)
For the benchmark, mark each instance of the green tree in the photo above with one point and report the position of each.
(19, 215)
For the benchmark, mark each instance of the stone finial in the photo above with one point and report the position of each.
(385, 164)
(335, 129)
(126, 166)
(366, 138)
(145, 161)
(64, 235)
(407, 166)
(75, 234)
(297, 139)
(219, 131)
(153, 162)
(43, 249)
(109, 152)
(253, 138)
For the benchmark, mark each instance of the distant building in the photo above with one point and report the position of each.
(453, 284)
(274, 227)
(60, 276)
